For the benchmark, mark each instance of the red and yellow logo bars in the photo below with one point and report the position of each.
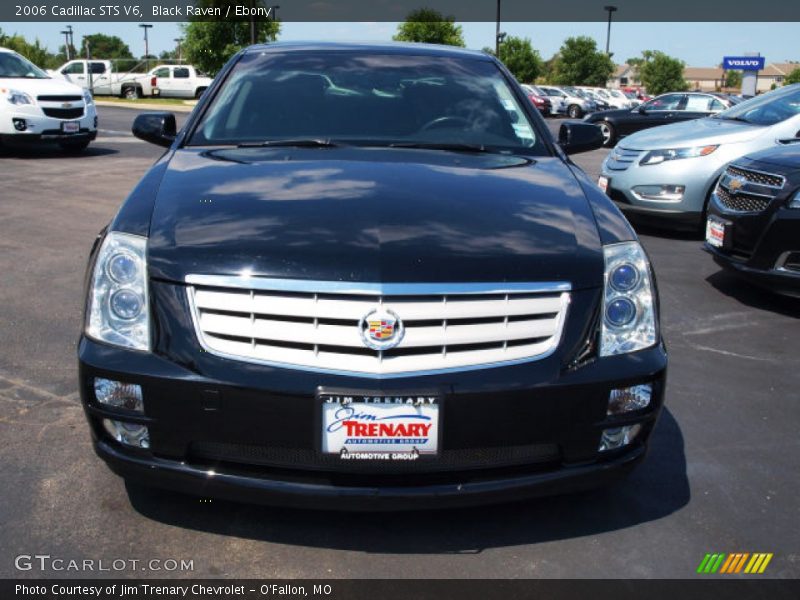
(740, 562)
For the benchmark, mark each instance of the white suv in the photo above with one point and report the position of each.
(34, 108)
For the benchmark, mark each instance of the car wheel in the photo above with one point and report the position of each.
(609, 135)
(74, 147)
(574, 111)
(131, 93)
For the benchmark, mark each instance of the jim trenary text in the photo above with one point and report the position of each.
(144, 590)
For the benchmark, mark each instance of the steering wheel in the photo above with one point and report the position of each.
(442, 121)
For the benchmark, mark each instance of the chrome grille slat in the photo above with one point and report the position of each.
(753, 192)
(447, 327)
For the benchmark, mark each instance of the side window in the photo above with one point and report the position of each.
(75, 68)
(180, 73)
(162, 72)
(716, 105)
(98, 68)
(665, 102)
(698, 103)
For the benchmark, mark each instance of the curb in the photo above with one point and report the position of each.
(147, 106)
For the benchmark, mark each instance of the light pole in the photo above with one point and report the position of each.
(611, 10)
(66, 34)
(146, 45)
(497, 32)
(180, 55)
(71, 39)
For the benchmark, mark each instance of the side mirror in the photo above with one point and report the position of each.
(641, 110)
(579, 137)
(155, 127)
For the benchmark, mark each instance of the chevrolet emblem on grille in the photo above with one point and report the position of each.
(66, 105)
(735, 184)
(381, 329)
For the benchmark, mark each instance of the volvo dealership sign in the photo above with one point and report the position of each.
(743, 63)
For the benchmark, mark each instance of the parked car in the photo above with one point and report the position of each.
(590, 103)
(101, 76)
(753, 226)
(178, 81)
(575, 106)
(539, 99)
(38, 109)
(667, 174)
(558, 100)
(387, 297)
(601, 102)
(665, 109)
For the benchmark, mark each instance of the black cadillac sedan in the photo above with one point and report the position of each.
(662, 110)
(366, 277)
(753, 225)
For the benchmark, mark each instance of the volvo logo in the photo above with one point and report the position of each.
(381, 329)
(735, 184)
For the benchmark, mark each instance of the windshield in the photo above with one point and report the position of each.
(14, 66)
(361, 98)
(766, 109)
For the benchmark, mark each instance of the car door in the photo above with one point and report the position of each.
(101, 78)
(658, 111)
(163, 81)
(75, 72)
(182, 83)
(698, 106)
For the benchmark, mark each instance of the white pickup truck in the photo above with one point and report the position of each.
(174, 81)
(104, 80)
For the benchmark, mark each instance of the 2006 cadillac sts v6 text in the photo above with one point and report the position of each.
(366, 277)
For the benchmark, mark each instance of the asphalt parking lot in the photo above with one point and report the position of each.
(722, 474)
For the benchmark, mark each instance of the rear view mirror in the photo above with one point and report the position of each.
(579, 137)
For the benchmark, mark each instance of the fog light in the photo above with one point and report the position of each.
(118, 395)
(130, 434)
(618, 437)
(20, 124)
(662, 193)
(628, 399)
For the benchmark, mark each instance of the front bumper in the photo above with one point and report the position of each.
(251, 432)
(41, 128)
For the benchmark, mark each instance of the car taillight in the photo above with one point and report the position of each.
(153, 82)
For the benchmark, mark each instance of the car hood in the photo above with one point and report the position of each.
(786, 156)
(38, 87)
(697, 132)
(376, 215)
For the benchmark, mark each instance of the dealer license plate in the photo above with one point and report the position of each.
(71, 127)
(715, 232)
(602, 183)
(362, 427)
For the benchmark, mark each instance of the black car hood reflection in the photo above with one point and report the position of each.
(372, 214)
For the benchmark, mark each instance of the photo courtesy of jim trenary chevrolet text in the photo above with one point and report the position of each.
(343, 299)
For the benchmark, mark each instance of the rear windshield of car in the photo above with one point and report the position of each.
(767, 109)
(370, 99)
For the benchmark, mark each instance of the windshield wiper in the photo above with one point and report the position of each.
(299, 143)
(456, 147)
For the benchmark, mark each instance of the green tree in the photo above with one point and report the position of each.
(104, 46)
(581, 63)
(519, 57)
(36, 53)
(209, 44)
(793, 77)
(430, 27)
(733, 79)
(662, 73)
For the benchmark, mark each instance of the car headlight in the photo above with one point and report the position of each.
(87, 97)
(655, 157)
(18, 98)
(794, 202)
(118, 311)
(629, 314)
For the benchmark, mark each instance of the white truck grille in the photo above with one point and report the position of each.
(317, 326)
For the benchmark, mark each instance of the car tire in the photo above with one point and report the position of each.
(131, 93)
(74, 147)
(574, 111)
(609, 134)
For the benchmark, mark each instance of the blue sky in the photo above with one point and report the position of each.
(698, 44)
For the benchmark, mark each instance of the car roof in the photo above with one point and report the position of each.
(410, 48)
